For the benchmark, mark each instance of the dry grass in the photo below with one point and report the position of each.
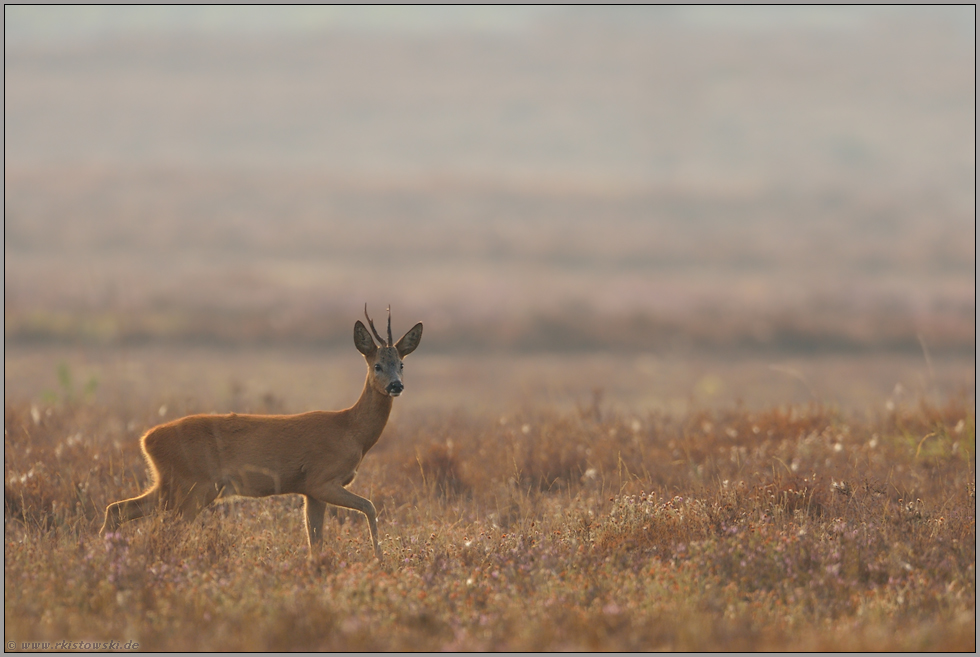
(690, 219)
(789, 528)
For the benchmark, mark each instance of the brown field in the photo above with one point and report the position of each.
(699, 294)
(791, 527)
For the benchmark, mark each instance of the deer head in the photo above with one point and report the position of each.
(384, 359)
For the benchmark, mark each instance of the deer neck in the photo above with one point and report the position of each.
(370, 414)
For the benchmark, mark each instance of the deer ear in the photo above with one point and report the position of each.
(363, 340)
(409, 341)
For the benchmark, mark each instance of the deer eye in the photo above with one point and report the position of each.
(377, 367)
(401, 366)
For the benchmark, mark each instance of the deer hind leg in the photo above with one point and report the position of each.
(340, 496)
(186, 500)
(131, 509)
(197, 496)
(315, 510)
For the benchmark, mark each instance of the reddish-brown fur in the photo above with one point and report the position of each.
(198, 458)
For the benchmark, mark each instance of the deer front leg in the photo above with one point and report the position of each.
(340, 496)
(315, 510)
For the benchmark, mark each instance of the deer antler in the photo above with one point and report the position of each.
(390, 341)
(374, 330)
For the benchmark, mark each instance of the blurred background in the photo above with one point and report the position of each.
(665, 206)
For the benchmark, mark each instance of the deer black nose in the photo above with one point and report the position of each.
(395, 388)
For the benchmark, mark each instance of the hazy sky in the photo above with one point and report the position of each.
(32, 24)
(624, 158)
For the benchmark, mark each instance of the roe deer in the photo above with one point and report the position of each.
(198, 458)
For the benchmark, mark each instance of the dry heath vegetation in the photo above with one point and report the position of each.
(642, 201)
(786, 528)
